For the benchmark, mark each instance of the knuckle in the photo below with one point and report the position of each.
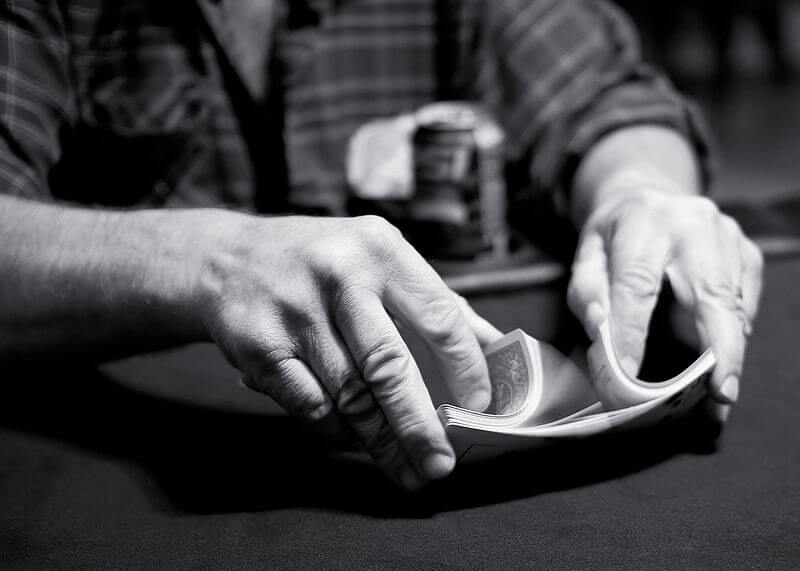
(376, 230)
(323, 255)
(329, 260)
(640, 280)
(630, 332)
(342, 255)
(292, 395)
(755, 256)
(311, 407)
(706, 207)
(717, 292)
(412, 428)
(696, 215)
(574, 299)
(442, 320)
(446, 327)
(731, 225)
(360, 254)
(346, 300)
(637, 201)
(277, 363)
(573, 292)
(353, 397)
(275, 372)
(578, 289)
(386, 363)
(302, 315)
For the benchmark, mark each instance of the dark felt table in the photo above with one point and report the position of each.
(164, 461)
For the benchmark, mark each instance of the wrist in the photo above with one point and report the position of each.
(645, 158)
(631, 182)
(205, 247)
(180, 282)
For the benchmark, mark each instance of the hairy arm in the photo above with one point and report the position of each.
(304, 307)
(91, 284)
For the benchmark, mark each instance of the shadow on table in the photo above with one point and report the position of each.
(210, 461)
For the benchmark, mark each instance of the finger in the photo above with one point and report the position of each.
(393, 378)
(637, 260)
(484, 331)
(330, 359)
(717, 413)
(587, 294)
(729, 247)
(718, 321)
(422, 302)
(752, 276)
(294, 387)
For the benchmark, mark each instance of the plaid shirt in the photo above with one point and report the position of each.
(250, 103)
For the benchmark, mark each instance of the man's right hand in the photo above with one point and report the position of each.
(307, 308)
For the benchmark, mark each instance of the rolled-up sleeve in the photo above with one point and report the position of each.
(35, 95)
(561, 74)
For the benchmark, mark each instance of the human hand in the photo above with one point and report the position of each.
(306, 308)
(636, 237)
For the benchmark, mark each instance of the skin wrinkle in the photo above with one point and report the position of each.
(383, 364)
(412, 428)
(296, 395)
(439, 317)
(353, 397)
(356, 404)
(717, 294)
(638, 281)
(445, 330)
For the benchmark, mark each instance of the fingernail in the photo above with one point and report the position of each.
(478, 400)
(438, 465)
(630, 366)
(722, 412)
(729, 389)
(321, 411)
(410, 480)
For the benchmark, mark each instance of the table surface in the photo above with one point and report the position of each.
(164, 461)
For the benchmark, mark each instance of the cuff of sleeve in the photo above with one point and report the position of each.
(634, 103)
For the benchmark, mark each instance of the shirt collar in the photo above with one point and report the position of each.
(244, 30)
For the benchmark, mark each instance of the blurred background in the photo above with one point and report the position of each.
(740, 60)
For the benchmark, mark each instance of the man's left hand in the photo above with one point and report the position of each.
(635, 239)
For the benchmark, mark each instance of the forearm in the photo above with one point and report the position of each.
(631, 159)
(91, 284)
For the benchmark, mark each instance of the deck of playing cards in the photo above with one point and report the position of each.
(539, 396)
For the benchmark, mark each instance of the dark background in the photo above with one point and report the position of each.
(748, 85)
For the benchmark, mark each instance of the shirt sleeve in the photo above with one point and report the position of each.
(561, 74)
(35, 95)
